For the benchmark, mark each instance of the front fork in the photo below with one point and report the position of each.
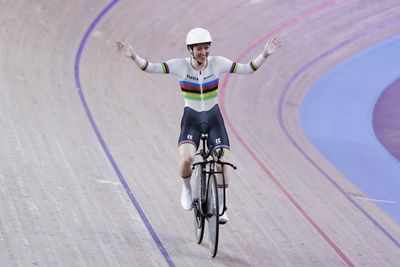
(201, 202)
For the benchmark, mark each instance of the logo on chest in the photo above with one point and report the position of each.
(208, 77)
(192, 77)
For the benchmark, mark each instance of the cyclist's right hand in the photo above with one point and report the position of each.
(125, 48)
(271, 46)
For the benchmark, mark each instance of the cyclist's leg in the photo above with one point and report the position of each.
(225, 157)
(186, 158)
(218, 139)
(223, 182)
(223, 185)
(188, 142)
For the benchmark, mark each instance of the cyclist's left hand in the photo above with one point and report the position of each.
(271, 46)
(125, 48)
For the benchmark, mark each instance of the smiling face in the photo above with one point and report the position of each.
(200, 52)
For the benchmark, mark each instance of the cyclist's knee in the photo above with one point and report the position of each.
(224, 158)
(186, 166)
(186, 155)
(221, 153)
(185, 162)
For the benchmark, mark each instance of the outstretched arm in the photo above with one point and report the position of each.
(252, 66)
(269, 48)
(127, 50)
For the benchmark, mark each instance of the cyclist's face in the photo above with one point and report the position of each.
(201, 52)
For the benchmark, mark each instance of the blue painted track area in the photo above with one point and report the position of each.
(336, 115)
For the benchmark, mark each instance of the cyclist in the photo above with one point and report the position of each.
(198, 77)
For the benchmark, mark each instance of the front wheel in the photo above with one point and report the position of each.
(213, 214)
(197, 198)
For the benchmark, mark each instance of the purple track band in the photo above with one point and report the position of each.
(103, 143)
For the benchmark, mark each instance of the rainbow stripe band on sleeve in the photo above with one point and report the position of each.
(253, 66)
(144, 67)
(165, 68)
(234, 67)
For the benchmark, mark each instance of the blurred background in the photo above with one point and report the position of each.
(88, 142)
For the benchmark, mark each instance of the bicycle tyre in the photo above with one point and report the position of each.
(213, 214)
(199, 219)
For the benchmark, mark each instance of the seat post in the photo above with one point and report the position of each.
(203, 129)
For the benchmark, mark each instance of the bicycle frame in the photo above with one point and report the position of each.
(207, 173)
(206, 203)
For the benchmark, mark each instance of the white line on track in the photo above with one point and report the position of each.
(108, 182)
(376, 200)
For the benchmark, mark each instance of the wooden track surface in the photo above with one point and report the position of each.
(62, 201)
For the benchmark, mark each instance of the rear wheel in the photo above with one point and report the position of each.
(213, 214)
(198, 217)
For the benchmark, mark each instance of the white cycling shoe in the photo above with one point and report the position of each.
(224, 218)
(186, 197)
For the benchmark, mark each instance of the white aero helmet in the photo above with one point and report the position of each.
(198, 36)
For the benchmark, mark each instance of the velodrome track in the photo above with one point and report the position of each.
(88, 170)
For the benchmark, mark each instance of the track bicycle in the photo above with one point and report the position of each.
(205, 197)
